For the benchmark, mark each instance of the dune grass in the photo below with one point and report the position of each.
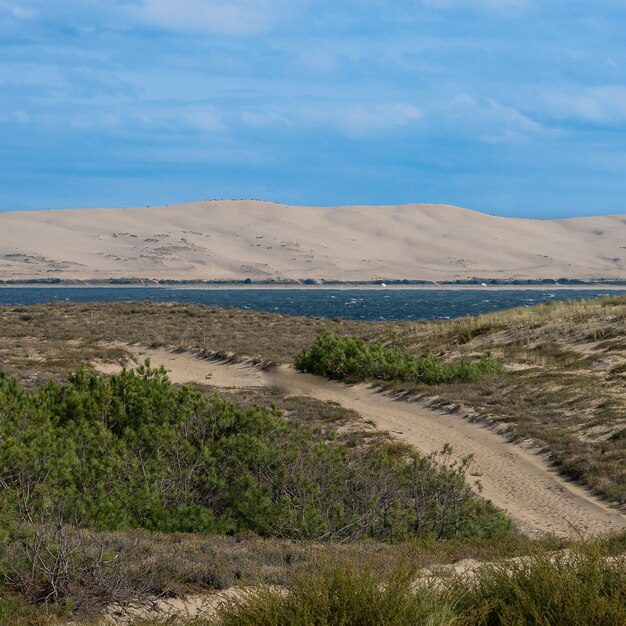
(571, 588)
(563, 385)
(343, 595)
(577, 588)
(584, 585)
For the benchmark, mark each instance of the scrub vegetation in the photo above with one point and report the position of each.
(127, 487)
(351, 359)
(563, 384)
(133, 451)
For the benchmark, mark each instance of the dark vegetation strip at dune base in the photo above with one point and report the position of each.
(143, 282)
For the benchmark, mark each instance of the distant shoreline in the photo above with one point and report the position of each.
(339, 285)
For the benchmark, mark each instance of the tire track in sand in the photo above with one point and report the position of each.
(516, 479)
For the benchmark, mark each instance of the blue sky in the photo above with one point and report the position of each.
(512, 107)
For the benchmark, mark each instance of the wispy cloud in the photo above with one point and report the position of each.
(361, 120)
(496, 7)
(235, 17)
(598, 105)
(264, 119)
(17, 11)
(505, 124)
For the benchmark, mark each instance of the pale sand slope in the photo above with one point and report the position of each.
(514, 478)
(240, 239)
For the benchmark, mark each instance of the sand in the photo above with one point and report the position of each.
(517, 479)
(235, 240)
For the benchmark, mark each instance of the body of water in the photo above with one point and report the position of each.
(358, 304)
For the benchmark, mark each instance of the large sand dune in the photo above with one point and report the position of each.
(234, 240)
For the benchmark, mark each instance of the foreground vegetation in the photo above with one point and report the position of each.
(563, 384)
(100, 476)
(582, 586)
(574, 589)
(351, 359)
(134, 451)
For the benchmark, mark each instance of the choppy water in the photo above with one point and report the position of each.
(359, 304)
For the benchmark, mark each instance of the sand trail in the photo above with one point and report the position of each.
(516, 479)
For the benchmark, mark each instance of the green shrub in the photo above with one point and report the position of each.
(344, 596)
(578, 588)
(16, 611)
(349, 358)
(135, 451)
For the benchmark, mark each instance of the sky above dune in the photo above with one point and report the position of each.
(511, 107)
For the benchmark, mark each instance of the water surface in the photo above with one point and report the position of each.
(358, 304)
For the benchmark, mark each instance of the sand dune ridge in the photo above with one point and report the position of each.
(235, 240)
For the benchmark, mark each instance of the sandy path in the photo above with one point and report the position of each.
(516, 479)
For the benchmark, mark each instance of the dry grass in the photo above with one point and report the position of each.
(564, 385)
(171, 565)
(565, 382)
(266, 336)
(174, 565)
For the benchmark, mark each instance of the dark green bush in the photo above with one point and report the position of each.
(135, 451)
(349, 358)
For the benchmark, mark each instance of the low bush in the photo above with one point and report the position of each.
(583, 587)
(350, 358)
(342, 595)
(16, 611)
(134, 451)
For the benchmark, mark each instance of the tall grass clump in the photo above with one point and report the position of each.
(582, 587)
(16, 611)
(341, 595)
(350, 358)
(578, 587)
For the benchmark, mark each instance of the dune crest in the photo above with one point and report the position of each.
(235, 240)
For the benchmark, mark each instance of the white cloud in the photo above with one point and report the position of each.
(17, 116)
(490, 121)
(497, 7)
(225, 17)
(195, 118)
(202, 119)
(600, 105)
(256, 119)
(17, 11)
(363, 120)
(513, 125)
(21, 117)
